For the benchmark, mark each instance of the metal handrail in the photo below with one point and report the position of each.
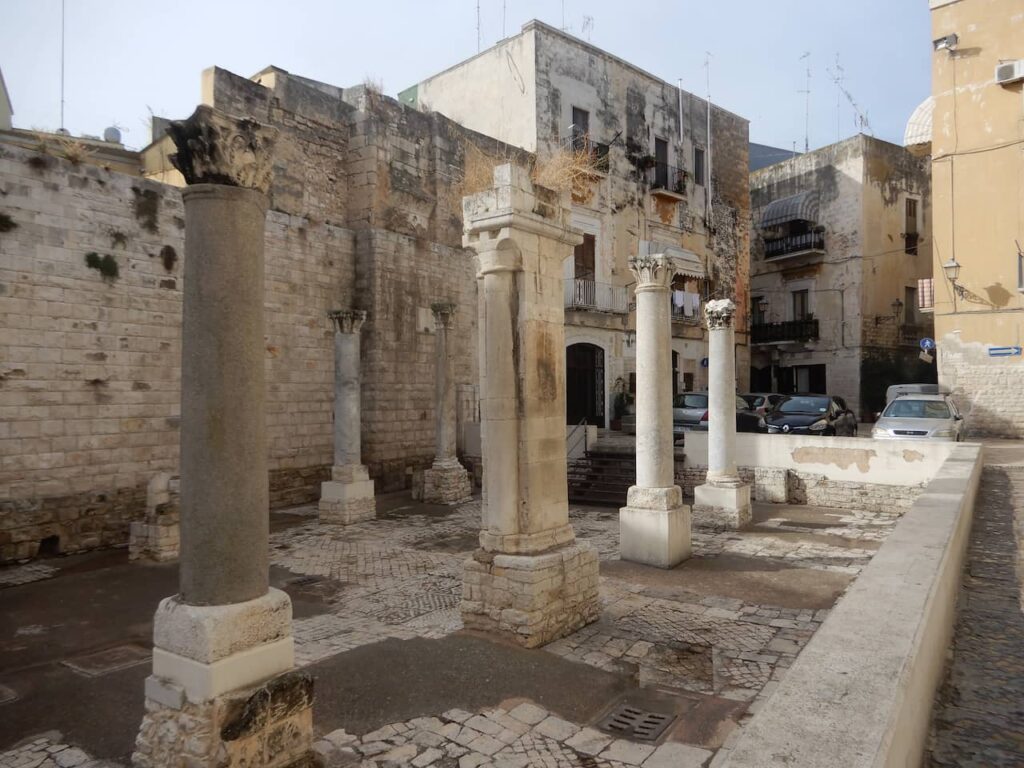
(782, 246)
(667, 177)
(600, 297)
(569, 448)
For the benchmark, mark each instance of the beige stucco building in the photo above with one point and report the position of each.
(840, 245)
(978, 182)
(662, 184)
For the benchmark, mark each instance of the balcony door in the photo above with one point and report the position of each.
(584, 384)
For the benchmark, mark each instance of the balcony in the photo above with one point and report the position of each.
(596, 297)
(598, 152)
(791, 330)
(794, 245)
(665, 178)
(679, 314)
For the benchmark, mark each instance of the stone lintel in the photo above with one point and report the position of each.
(721, 507)
(654, 527)
(527, 543)
(531, 599)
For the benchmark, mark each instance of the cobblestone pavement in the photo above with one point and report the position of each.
(979, 715)
(24, 574)
(46, 751)
(400, 576)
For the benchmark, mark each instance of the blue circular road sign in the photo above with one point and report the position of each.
(927, 344)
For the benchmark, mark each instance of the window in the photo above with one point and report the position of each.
(580, 128)
(910, 236)
(926, 293)
(800, 305)
(583, 258)
(660, 163)
(698, 166)
(910, 306)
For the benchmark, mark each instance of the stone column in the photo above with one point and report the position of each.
(654, 526)
(447, 481)
(530, 580)
(723, 501)
(348, 496)
(221, 691)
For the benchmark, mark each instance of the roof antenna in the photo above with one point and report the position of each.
(503, 4)
(807, 107)
(62, 2)
(588, 26)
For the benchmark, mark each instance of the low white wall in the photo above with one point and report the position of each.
(576, 444)
(850, 459)
(860, 694)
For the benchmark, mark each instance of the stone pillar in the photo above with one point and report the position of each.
(654, 526)
(222, 692)
(530, 580)
(723, 501)
(348, 496)
(447, 481)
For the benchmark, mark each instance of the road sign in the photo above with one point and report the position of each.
(927, 344)
(926, 358)
(1004, 351)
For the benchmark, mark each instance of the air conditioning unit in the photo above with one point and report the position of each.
(1009, 72)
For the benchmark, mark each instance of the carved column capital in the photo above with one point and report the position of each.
(444, 314)
(719, 313)
(216, 148)
(347, 320)
(652, 273)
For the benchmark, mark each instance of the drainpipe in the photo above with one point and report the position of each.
(708, 188)
(680, 89)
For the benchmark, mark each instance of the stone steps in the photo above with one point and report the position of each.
(601, 478)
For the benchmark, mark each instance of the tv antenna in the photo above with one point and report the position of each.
(838, 76)
(62, 3)
(588, 26)
(807, 106)
(478, 26)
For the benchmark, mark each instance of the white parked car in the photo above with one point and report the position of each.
(920, 417)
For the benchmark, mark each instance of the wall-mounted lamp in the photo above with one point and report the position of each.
(897, 309)
(952, 270)
(947, 43)
(630, 339)
(762, 306)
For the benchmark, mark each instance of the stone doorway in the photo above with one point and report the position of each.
(584, 384)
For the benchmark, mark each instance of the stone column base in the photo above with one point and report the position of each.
(721, 507)
(446, 482)
(654, 527)
(531, 599)
(223, 692)
(348, 496)
(154, 542)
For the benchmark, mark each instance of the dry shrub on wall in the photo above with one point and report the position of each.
(73, 150)
(567, 170)
(478, 168)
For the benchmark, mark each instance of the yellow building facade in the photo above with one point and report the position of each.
(978, 208)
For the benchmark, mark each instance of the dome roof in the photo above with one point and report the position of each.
(919, 126)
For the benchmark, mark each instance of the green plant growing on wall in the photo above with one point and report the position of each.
(118, 238)
(7, 223)
(106, 265)
(169, 257)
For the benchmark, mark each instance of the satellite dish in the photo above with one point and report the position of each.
(112, 134)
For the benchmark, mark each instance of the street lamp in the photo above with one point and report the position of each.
(897, 307)
(952, 269)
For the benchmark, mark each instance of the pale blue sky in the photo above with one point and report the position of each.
(125, 57)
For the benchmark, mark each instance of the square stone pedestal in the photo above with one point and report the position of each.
(223, 692)
(721, 507)
(654, 527)
(348, 496)
(531, 599)
(446, 482)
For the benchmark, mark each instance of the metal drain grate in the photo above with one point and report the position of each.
(110, 660)
(635, 723)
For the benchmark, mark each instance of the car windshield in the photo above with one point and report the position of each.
(755, 401)
(804, 405)
(917, 409)
(690, 400)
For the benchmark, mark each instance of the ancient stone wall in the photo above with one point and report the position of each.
(90, 313)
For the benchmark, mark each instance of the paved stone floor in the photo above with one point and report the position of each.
(979, 716)
(706, 642)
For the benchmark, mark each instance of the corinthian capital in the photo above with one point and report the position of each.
(651, 272)
(347, 320)
(215, 148)
(719, 313)
(444, 314)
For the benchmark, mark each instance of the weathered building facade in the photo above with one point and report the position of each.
(978, 178)
(365, 214)
(659, 178)
(841, 238)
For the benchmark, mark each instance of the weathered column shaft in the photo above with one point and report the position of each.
(721, 403)
(347, 394)
(655, 459)
(224, 492)
(444, 390)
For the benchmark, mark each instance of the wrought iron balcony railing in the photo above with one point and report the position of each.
(597, 151)
(785, 246)
(667, 177)
(790, 330)
(596, 297)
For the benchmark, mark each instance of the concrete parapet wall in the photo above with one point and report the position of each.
(859, 694)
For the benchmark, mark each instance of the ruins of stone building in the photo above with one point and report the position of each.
(840, 247)
(545, 91)
(365, 213)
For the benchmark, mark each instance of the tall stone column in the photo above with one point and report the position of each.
(447, 481)
(530, 580)
(348, 496)
(654, 526)
(221, 691)
(723, 501)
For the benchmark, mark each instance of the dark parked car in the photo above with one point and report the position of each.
(747, 419)
(762, 402)
(812, 415)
